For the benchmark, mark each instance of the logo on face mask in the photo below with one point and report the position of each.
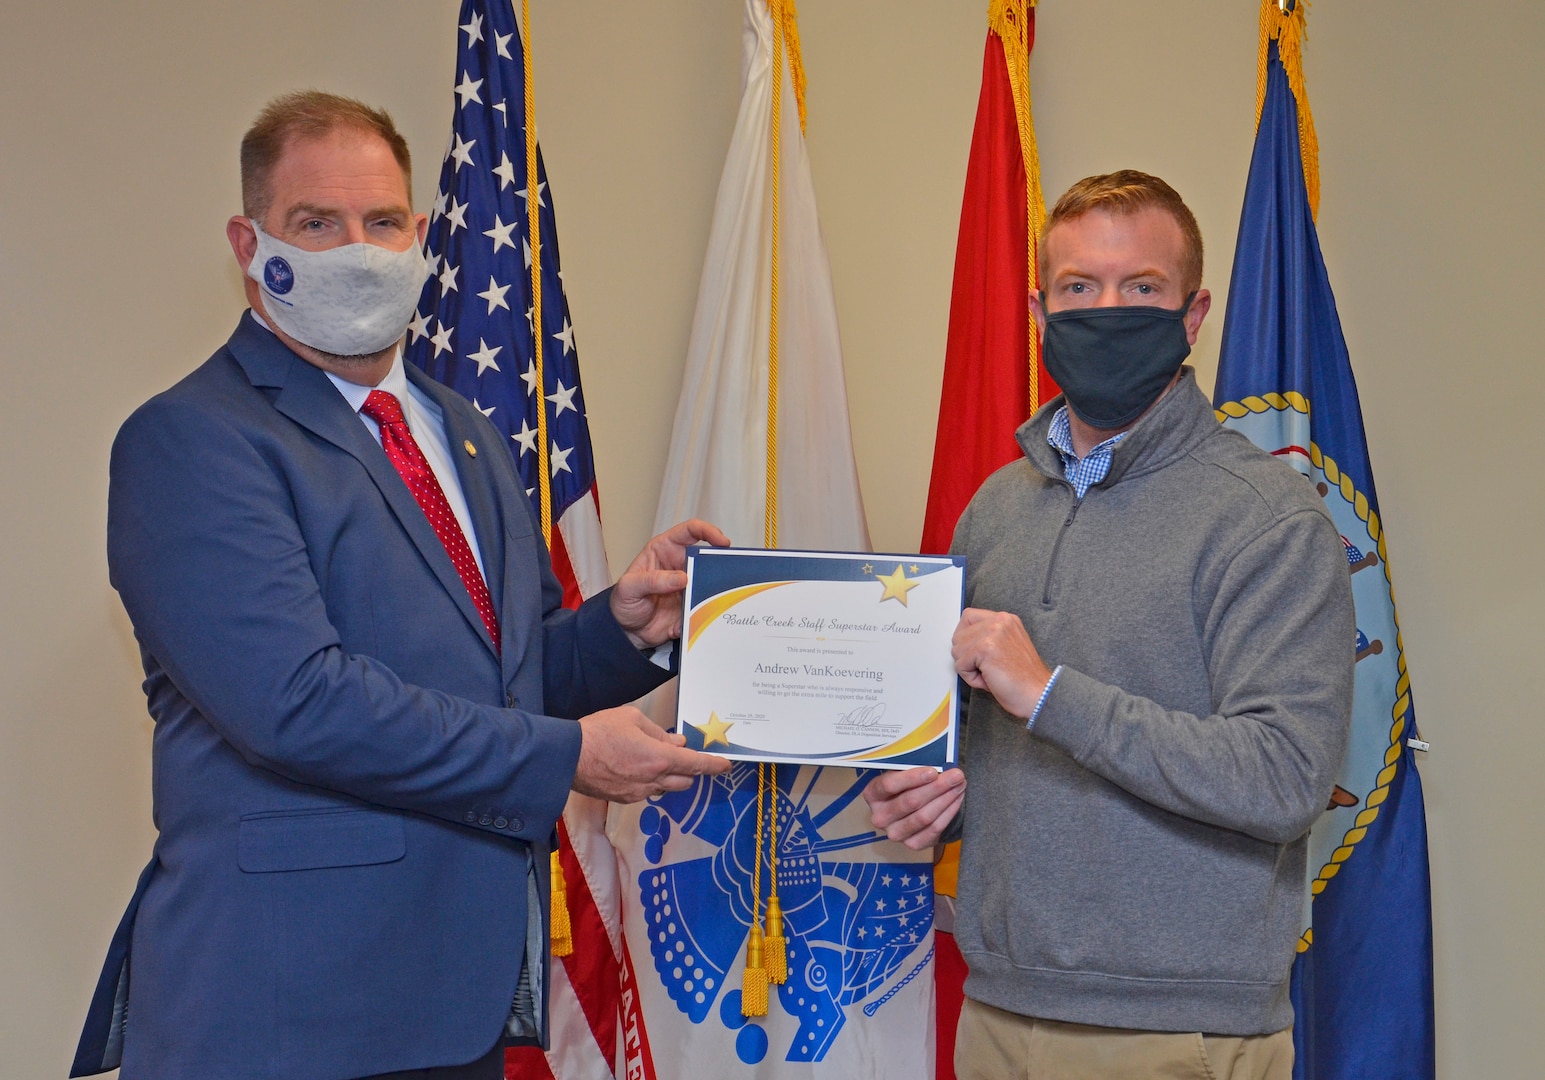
(352, 300)
(278, 276)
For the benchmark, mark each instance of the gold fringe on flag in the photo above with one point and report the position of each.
(1010, 20)
(788, 19)
(1287, 24)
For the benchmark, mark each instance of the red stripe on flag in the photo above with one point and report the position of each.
(639, 1063)
(592, 966)
(526, 1063)
(565, 572)
(949, 973)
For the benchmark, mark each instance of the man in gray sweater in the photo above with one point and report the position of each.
(1160, 642)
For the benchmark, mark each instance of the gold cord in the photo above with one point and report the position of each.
(534, 227)
(753, 982)
(777, 947)
(770, 523)
(1010, 20)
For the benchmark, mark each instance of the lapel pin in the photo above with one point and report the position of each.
(471, 450)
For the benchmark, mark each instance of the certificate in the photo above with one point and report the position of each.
(821, 658)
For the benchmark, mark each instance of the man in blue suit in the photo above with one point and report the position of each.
(370, 705)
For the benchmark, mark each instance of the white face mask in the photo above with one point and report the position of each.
(349, 301)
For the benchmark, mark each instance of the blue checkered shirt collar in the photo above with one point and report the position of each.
(1083, 473)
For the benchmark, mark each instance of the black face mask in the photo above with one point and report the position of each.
(1113, 362)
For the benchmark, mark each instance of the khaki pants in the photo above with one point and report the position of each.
(991, 1044)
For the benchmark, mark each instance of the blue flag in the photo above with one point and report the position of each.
(1362, 982)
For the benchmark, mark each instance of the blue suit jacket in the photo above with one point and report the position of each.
(348, 781)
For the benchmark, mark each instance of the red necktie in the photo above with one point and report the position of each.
(398, 443)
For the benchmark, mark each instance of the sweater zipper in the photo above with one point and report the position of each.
(1056, 547)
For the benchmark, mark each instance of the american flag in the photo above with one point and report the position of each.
(476, 330)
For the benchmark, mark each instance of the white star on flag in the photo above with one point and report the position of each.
(484, 357)
(566, 336)
(474, 29)
(540, 201)
(456, 215)
(442, 339)
(526, 436)
(418, 326)
(462, 151)
(467, 90)
(501, 233)
(505, 171)
(560, 459)
(563, 399)
(448, 279)
(495, 295)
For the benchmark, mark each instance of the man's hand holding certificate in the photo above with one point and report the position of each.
(821, 658)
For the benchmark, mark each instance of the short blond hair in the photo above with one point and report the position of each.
(1127, 191)
(307, 114)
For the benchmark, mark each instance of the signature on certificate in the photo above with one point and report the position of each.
(862, 718)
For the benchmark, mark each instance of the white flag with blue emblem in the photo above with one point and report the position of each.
(857, 909)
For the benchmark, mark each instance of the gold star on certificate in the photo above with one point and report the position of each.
(868, 568)
(715, 730)
(897, 585)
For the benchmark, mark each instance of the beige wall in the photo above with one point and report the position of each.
(118, 126)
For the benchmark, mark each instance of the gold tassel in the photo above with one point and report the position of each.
(777, 948)
(562, 930)
(776, 952)
(753, 982)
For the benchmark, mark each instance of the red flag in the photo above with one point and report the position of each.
(993, 378)
(991, 351)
